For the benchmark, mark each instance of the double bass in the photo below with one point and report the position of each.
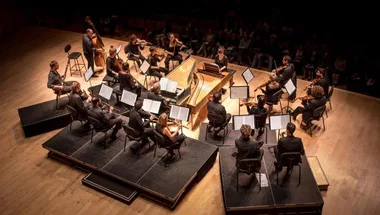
(100, 57)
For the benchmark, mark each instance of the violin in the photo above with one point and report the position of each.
(304, 98)
(313, 83)
(263, 85)
(278, 69)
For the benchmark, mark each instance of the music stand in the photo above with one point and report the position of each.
(151, 106)
(248, 77)
(290, 89)
(144, 69)
(180, 113)
(278, 122)
(118, 51)
(128, 98)
(88, 75)
(239, 92)
(239, 120)
(105, 92)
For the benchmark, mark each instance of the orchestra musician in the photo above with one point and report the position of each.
(111, 66)
(320, 80)
(154, 58)
(134, 48)
(221, 59)
(310, 103)
(89, 49)
(172, 49)
(154, 94)
(56, 81)
(170, 138)
(290, 143)
(260, 112)
(247, 146)
(106, 117)
(214, 106)
(271, 87)
(286, 72)
(77, 101)
(126, 79)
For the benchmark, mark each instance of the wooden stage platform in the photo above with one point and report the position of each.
(31, 184)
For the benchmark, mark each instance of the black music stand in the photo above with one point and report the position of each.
(278, 122)
(145, 66)
(180, 113)
(290, 89)
(239, 92)
(248, 76)
(128, 98)
(244, 119)
(88, 75)
(105, 92)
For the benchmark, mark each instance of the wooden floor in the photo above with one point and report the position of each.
(30, 183)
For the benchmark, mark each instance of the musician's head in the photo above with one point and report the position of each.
(221, 50)
(286, 60)
(261, 101)
(89, 32)
(125, 66)
(152, 49)
(156, 87)
(87, 18)
(95, 101)
(163, 120)
(112, 52)
(320, 72)
(245, 131)
(171, 37)
(133, 39)
(317, 92)
(138, 104)
(273, 76)
(75, 86)
(217, 96)
(54, 65)
(290, 128)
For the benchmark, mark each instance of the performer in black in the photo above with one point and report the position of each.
(286, 72)
(127, 81)
(111, 64)
(260, 112)
(89, 49)
(77, 101)
(247, 146)
(214, 106)
(221, 59)
(153, 60)
(55, 80)
(134, 50)
(320, 80)
(172, 49)
(136, 122)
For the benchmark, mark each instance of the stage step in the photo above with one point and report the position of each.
(318, 173)
(111, 187)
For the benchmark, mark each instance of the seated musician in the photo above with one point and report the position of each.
(286, 71)
(170, 137)
(153, 59)
(172, 49)
(290, 143)
(247, 146)
(316, 100)
(270, 89)
(112, 69)
(55, 80)
(76, 101)
(154, 94)
(321, 80)
(127, 81)
(106, 117)
(214, 106)
(134, 50)
(259, 111)
(221, 59)
(136, 121)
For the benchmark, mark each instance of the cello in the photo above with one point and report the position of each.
(100, 56)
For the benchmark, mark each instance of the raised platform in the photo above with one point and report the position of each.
(318, 173)
(146, 175)
(285, 197)
(44, 117)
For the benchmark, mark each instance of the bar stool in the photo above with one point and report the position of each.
(77, 67)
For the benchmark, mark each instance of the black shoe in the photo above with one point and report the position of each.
(114, 136)
(224, 91)
(95, 75)
(209, 127)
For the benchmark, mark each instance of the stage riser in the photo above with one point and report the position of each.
(46, 126)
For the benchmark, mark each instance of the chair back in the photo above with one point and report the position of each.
(290, 159)
(214, 119)
(250, 165)
(67, 48)
(159, 138)
(96, 123)
(276, 97)
(318, 112)
(130, 131)
(74, 114)
(331, 91)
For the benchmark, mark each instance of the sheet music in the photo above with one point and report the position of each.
(151, 106)
(128, 98)
(178, 112)
(145, 66)
(168, 85)
(247, 75)
(105, 91)
(264, 179)
(244, 120)
(289, 86)
(88, 74)
(239, 92)
(164, 83)
(118, 50)
(279, 122)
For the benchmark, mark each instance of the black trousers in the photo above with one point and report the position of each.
(117, 122)
(157, 72)
(177, 57)
(138, 60)
(90, 61)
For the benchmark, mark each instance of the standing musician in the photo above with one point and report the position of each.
(172, 50)
(89, 49)
(56, 81)
(127, 81)
(111, 66)
(214, 106)
(154, 58)
(260, 112)
(76, 100)
(247, 146)
(221, 59)
(271, 87)
(134, 48)
(320, 80)
(107, 118)
(310, 103)
(286, 72)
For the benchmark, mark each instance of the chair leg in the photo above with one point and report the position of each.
(277, 175)
(125, 142)
(57, 102)
(299, 174)
(179, 153)
(326, 114)
(71, 124)
(92, 134)
(323, 121)
(259, 180)
(206, 133)
(155, 149)
(224, 136)
(311, 132)
(84, 63)
(266, 135)
(237, 180)
(105, 140)
(281, 107)
(330, 104)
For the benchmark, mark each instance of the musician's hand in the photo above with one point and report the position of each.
(152, 117)
(94, 35)
(274, 70)
(111, 109)
(167, 100)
